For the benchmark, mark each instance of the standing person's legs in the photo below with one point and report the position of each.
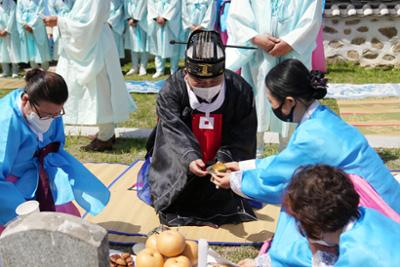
(104, 113)
(134, 60)
(174, 64)
(34, 65)
(143, 63)
(106, 132)
(15, 70)
(6, 70)
(45, 65)
(160, 65)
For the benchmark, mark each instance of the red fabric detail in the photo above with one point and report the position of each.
(12, 179)
(209, 139)
(43, 192)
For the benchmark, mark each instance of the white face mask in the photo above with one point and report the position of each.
(40, 126)
(207, 93)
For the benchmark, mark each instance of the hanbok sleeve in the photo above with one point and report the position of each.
(172, 11)
(116, 19)
(269, 180)
(152, 11)
(10, 28)
(209, 19)
(72, 180)
(81, 28)
(140, 10)
(10, 196)
(307, 28)
(185, 16)
(241, 27)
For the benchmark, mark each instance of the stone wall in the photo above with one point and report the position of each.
(369, 40)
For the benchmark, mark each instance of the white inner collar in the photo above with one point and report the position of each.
(204, 106)
(310, 111)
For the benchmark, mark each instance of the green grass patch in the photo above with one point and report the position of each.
(353, 73)
(145, 115)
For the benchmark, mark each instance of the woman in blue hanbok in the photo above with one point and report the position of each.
(320, 138)
(164, 19)
(33, 162)
(9, 39)
(116, 20)
(33, 34)
(136, 35)
(280, 29)
(323, 226)
(58, 8)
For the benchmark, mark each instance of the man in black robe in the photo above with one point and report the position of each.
(206, 114)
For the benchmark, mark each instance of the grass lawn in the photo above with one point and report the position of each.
(353, 73)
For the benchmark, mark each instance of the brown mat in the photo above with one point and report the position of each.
(8, 83)
(127, 218)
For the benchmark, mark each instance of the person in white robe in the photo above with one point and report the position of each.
(136, 35)
(280, 29)
(117, 23)
(198, 14)
(165, 22)
(58, 8)
(90, 65)
(34, 41)
(9, 39)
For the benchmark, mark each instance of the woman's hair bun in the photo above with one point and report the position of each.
(319, 84)
(33, 74)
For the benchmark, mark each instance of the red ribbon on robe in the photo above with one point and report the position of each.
(208, 132)
(43, 192)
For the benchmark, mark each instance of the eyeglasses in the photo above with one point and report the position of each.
(48, 117)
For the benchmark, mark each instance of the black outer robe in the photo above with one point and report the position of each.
(180, 197)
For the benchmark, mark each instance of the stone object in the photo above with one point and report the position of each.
(53, 239)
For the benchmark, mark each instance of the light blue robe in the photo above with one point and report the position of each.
(297, 22)
(34, 46)
(9, 44)
(117, 23)
(58, 8)
(198, 13)
(91, 68)
(69, 179)
(161, 36)
(136, 37)
(324, 138)
(372, 241)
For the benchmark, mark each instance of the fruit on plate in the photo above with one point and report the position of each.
(170, 243)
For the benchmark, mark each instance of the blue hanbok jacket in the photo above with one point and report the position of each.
(69, 179)
(372, 241)
(324, 138)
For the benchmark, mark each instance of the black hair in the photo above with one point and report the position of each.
(322, 198)
(46, 86)
(292, 78)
